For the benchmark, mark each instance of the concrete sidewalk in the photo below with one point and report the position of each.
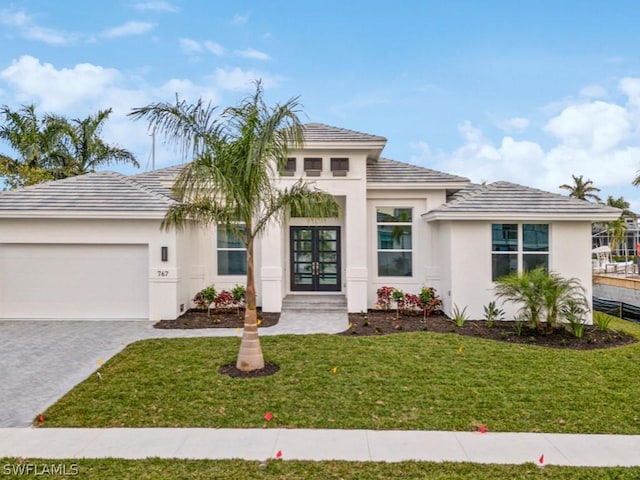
(355, 445)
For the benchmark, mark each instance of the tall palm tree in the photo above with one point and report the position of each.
(617, 233)
(582, 189)
(231, 180)
(83, 150)
(36, 142)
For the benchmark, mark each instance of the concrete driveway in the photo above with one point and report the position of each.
(42, 360)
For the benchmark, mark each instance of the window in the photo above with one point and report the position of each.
(395, 243)
(518, 247)
(339, 166)
(289, 169)
(232, 256)
(313, 166)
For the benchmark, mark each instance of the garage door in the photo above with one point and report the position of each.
(74, 281)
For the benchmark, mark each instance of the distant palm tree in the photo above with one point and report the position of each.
(617, 233)
(584, 190)
(36, 142)
(231, 181)
(82, 149)
(623, 205)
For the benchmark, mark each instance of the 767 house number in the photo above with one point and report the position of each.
(163, 273)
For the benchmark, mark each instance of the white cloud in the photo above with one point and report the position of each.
(593, 91)
(240, 19)
(214, 47)
(237, 79)
(129, 28)
(29, 29)
(158, 6)
(598, 126)
(513, 125)
(15, 18)
(54, 89)
(190, 46)
(593, 138)
(253, 53)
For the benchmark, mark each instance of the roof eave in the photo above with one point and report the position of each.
(84, 214)
(521, 216)
(416, 185)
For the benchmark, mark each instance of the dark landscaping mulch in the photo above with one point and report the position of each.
(231, 371)
(381, 322)
(196, 318)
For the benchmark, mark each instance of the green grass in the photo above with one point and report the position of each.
(421, 381)
(152, 469)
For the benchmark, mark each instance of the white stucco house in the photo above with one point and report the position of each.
(91, 246)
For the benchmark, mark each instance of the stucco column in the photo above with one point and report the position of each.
(271, 268)
(356, 248)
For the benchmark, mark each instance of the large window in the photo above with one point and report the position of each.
(518, 247)
(232, 255)
(395, 243)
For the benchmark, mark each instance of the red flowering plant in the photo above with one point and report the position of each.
(411, 304)
(224, 302)
(384, 298)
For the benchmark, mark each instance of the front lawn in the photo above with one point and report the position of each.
(152, 469)
(412, 381)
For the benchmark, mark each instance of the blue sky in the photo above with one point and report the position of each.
(528, 91)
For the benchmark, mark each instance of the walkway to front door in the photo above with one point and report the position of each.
(315, 259)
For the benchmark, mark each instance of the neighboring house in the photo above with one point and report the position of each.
(91, 246)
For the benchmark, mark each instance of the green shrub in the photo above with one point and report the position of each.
(493, 314)
(602, 320)
(204, 298)
(429, 300)
(575, 314)
(459, 316)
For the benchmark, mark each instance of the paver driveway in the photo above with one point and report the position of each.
(41, 360)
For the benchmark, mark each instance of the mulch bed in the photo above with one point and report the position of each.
(231, 371)
(381, 322)
(196, 318)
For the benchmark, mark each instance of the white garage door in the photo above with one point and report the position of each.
(74, 281)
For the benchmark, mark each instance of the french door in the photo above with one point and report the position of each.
(315, 259)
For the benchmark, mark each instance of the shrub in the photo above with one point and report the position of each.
(384, 299)
(224, 301)
(459, 317)
(575, 314)
(430, 301)
(398, 297)
(204, 298)
(541, 295)
(411, 303)
(602, 320)
(493, 314)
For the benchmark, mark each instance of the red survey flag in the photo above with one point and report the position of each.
(268, 416)
(279, 454)
(541, 459)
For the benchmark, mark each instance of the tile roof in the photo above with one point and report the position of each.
(509, 199)
(319, 132)
(159, 181)
(103, 191)
(385, 170)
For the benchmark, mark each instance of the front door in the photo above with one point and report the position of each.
(315, 259)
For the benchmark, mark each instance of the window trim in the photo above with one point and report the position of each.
(313, 166)
(220, 227)
(520, 252)
(401, 250)
(286, 170)
(339, 166)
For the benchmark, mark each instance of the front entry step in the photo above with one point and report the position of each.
(315, 303)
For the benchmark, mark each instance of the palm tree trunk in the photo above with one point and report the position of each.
(250, 355)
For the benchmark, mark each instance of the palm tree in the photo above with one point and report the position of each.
(231, 181)
(623, 205)
(584, 190)
(83, 150)
(542, 296)
(36, 142)
(617, 233)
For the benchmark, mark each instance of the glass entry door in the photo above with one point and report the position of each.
(315, 259)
